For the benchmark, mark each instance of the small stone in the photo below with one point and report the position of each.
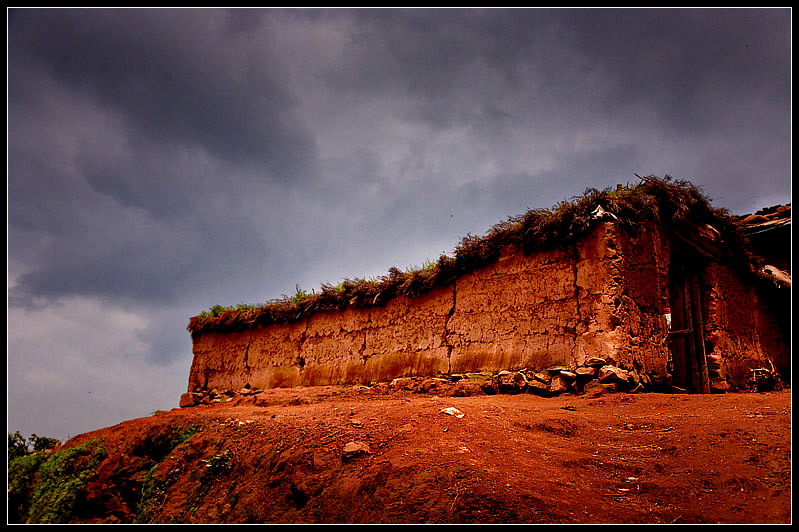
(613, 374)
(594, 388)
(512, 382)
(567, 374)
(542, 376)
(537, 387)
(485, 380)
(452, 411)
(426, 385)
(556, 369)
(586, 372)
(354, 449)
(186, 400)
(405, 383)
(596, 362)
(464, 388)
(558, 384)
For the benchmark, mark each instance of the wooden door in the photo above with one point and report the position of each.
(689, 359)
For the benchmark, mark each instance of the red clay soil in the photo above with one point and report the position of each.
(613, 458)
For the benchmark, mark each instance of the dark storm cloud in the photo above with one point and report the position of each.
(112, 221)
(672, 62)
(682, 62)
(186, 77)
(136, 134)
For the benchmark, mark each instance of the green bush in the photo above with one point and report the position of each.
(21, 479)
(62, 482)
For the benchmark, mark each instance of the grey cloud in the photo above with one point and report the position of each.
(135, 144)
(676, 60)
(606, 64)
(177, 76)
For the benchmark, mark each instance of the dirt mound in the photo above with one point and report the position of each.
(361, 455)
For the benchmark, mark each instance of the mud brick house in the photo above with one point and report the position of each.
(649, 277)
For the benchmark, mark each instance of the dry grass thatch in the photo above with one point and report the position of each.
(674, 205)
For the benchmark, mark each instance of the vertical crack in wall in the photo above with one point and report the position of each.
(247, 351)
(445, 334)
(303, 337)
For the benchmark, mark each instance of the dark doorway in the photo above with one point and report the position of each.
(689, 360)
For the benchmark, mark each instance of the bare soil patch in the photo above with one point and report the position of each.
(366, 455)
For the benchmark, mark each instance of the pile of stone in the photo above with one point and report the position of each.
(207, 397)
(595, 376)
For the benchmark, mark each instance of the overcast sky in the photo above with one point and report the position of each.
(164, 161)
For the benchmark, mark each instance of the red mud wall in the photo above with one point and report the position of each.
(740, 333)
(600, 297)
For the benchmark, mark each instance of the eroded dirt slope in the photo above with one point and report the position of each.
(359, 455)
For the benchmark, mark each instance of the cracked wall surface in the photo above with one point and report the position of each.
(601, 297)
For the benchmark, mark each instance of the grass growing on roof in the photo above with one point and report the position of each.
(673, 204)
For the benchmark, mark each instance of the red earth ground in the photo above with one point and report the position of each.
(612, 458)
